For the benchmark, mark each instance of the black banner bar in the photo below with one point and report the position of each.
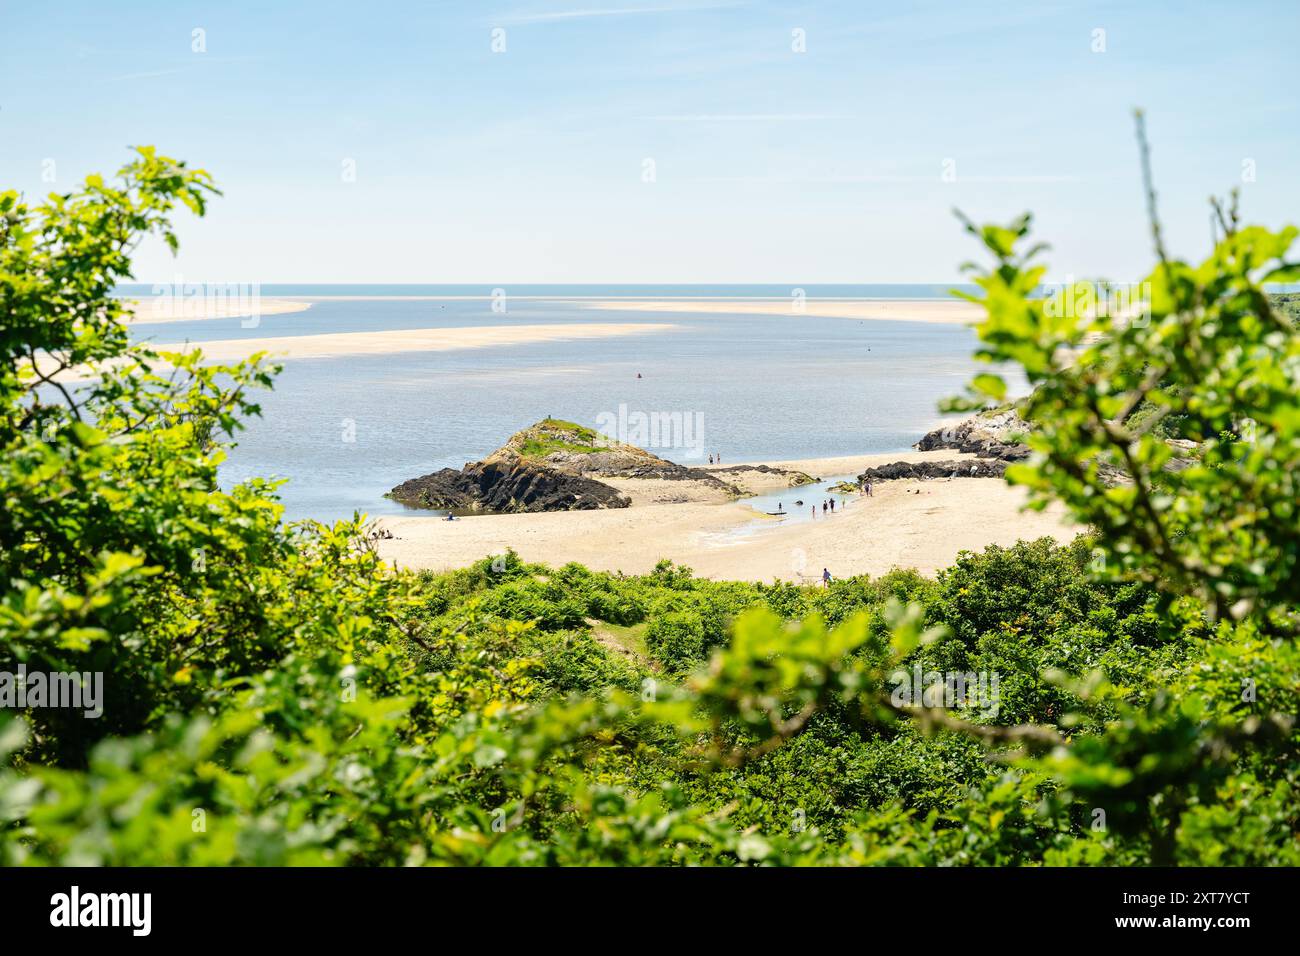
(334, 906)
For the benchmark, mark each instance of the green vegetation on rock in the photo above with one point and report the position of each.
(552, 435)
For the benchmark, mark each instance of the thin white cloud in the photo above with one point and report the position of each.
(196, 63)
(589, 12)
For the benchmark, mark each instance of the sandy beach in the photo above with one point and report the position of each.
(942, 312)
(339, 344)
(905, 524)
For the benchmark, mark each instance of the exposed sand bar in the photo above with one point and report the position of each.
(343, 344)
(941, 311)
(181, 309)
(907, 524)
(340, 344)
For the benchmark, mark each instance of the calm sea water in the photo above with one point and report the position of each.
(345, 430)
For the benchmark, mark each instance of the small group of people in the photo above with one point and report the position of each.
(828, 504)
(715, 459)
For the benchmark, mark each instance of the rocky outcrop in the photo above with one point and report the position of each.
(978, 468)
(550, 466)
(991, 436)
(987, 435)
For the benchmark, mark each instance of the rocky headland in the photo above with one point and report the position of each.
(550, 466)
(992, 437)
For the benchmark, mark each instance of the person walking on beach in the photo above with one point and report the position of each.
(832, 506)
(868, 489)
(823, 506)
(814, 510)
(826, 577)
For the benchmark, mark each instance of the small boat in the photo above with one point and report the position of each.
(778, 514)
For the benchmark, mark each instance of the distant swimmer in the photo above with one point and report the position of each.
(638, 374)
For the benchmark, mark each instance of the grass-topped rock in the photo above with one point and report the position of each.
(553, 465)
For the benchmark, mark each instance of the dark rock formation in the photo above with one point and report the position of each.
(503, 486)
(987, 435)
(550, 466)
(980, 468)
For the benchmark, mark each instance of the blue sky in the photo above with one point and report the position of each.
(770, 165)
